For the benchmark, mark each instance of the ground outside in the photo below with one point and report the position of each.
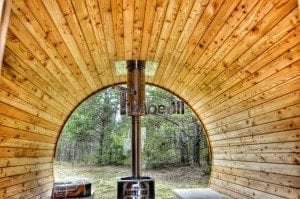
(104, 179)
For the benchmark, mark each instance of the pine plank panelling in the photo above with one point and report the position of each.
(235, 62)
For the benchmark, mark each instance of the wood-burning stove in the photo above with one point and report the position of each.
(135, 186)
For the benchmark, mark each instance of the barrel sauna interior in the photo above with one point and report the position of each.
(235, 62)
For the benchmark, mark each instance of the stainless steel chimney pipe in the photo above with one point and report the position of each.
(136, 108)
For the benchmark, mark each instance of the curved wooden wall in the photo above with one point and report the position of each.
(236, 62)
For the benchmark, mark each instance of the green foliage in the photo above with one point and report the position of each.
(96, 133)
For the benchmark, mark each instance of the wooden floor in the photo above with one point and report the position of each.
(235, 62)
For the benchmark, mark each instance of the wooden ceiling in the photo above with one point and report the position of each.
(235, 62)
(72, 45)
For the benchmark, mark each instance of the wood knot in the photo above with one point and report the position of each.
(254, 29)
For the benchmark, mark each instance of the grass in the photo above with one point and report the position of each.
(104, 178)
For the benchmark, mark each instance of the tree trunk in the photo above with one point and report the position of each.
(183, 148)
(196, 143)
(100, 158)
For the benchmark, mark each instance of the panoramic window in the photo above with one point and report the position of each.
(95, 144)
